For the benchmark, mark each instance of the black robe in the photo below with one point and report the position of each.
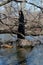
(21, 27)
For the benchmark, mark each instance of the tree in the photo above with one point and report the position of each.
(5, 2)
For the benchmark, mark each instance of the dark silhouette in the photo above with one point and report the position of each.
(21, 28)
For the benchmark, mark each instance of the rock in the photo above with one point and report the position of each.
(24, 42)
(37, 42)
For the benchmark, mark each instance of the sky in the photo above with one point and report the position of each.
(27, 6)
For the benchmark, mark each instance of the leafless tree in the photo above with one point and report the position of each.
(12, 9)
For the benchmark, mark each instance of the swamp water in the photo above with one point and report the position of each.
(21, 56)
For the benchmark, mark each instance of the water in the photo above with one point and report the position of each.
(6, 37)
(13, 56)
(36, 56)
(21, 56)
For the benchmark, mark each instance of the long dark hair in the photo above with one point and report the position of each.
(21, 13)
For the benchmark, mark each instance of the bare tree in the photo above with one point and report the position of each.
(9, 9)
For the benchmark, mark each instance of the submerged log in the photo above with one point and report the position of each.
(6, 46)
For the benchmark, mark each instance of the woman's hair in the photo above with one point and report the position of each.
(21, 12)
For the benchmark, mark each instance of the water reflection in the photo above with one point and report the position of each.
(22, 53)
(21, 56)
(8, 57)
(13, 56)
(16, 55)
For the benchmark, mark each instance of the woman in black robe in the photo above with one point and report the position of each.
(21, 27)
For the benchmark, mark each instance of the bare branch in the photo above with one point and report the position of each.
(36, 6)
(5, 2)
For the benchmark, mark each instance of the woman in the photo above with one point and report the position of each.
(21, 28)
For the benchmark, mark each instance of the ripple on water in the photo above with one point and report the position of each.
(36, 56)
